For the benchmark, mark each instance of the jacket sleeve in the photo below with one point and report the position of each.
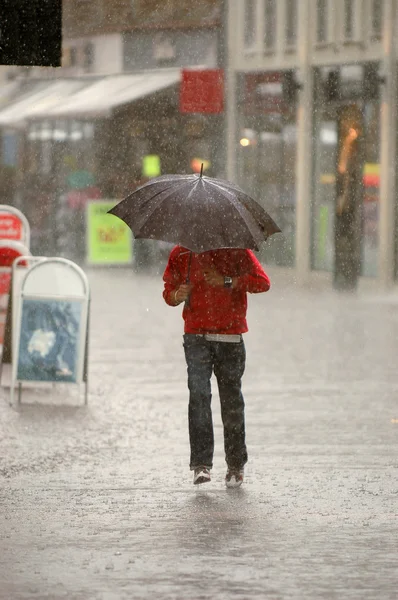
(172, 277)
(255, 280)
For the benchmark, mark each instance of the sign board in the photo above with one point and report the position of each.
(49, 340)
(10, 227)
(109, 240)
(151, 165)
(14, 225)
(47, 327)
(202, 91)
(9, 251)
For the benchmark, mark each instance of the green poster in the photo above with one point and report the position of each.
(109, 240)
(151, 165)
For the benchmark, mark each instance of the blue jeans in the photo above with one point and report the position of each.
(227, 361)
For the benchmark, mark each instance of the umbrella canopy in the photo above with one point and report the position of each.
(197, 212)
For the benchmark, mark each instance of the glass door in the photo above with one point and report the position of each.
(266, 158)
(346, 136)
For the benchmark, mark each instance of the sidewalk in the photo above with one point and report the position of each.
(98, 503)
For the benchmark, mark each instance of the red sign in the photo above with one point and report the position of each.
(202, 91)
(5, 280)
(10, 227)
(9, 251)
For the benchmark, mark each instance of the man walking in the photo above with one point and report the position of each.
(214, 287)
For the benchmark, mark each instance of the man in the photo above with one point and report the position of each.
(213, 286)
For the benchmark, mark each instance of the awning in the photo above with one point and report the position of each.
(7, 92)
(85, 97)
(100, 98)
(38, 101)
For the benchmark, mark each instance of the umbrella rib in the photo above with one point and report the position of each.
(158, 202)
(241, 209)
(240, 204)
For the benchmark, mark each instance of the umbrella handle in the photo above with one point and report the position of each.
(189, 267)
(188, 274)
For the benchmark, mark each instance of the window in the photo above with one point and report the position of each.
(376, 19)
(349, 19)
(321, 21)
(269, 24)
(73, 57)
(88, 57)
(291, 23)
(250, 24)
(353, 20)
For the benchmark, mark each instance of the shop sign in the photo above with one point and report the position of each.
(202, 91)
(109, 240)
(9, 251)
(264, 93)
(11, 227)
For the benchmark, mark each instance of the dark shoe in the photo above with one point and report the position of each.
(234, 477)
(201, 475)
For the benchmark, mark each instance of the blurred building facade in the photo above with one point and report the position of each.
(312, 88)
(117, 112)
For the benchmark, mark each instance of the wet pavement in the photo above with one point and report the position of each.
(97, 501)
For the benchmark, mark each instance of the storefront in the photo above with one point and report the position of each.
(95, 137)
(322, 158)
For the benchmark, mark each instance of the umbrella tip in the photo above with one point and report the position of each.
(201, 170)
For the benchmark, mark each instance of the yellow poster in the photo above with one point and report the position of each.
(109, 240)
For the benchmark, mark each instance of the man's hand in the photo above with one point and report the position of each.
(182, 293)
(213, 278)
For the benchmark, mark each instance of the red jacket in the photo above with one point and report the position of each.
(213, 309)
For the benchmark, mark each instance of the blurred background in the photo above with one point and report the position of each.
(262, 92)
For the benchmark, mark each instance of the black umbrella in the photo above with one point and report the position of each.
(197, 212)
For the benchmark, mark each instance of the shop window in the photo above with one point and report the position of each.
(73, 57)
(69, 57)
(376, 19)
(269, 24)
(250, 24)
(291, 21)
(352, 20)
(346, 169)
(164, 49)
(88, 57)
(349, 24)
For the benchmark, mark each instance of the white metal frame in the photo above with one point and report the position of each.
(35, 263)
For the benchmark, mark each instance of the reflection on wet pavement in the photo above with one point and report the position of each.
(97, 501)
